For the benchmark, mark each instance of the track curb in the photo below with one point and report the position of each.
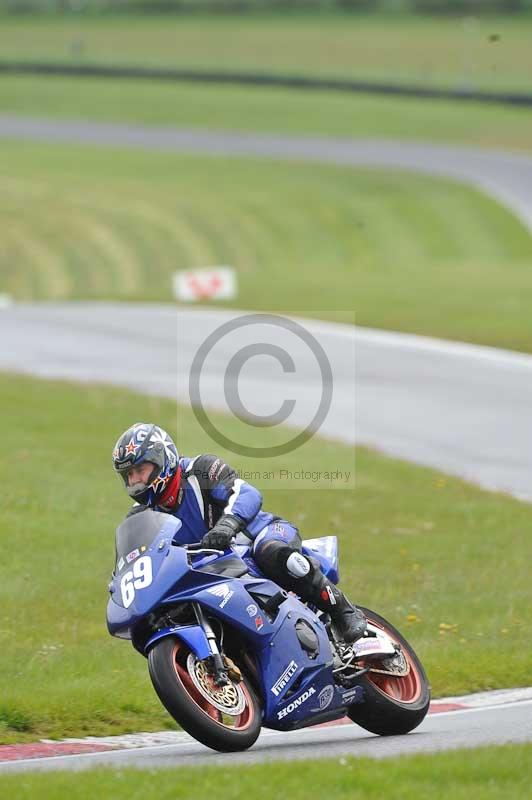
(47, 748)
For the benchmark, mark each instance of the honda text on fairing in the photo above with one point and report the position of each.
(229, 652)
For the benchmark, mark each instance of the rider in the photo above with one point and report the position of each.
(214, 504)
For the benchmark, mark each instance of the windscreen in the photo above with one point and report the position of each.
(136, 533)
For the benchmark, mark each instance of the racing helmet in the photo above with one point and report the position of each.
(146, 443)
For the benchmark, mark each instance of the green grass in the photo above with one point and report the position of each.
(490, 773)
(445, 561)
(449, 52)
(405, 252)
(269, 110)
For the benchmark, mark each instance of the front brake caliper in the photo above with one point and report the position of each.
(232, 670)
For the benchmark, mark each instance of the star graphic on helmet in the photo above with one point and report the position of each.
(159, 483)
(131, 447)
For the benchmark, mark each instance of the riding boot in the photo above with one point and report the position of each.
(348, 619)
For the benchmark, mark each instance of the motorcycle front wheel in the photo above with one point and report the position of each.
(394, 704)
(226, 718)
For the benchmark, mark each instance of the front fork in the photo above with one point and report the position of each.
(220, 671)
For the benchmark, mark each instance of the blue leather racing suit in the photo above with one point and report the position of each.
(211, 488)
(210, 492)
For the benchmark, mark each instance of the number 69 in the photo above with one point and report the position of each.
(137, 578)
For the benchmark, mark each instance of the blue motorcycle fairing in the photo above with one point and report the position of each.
(233, 601)
(297, 689)
(270, 644)
(192, 635)
(169, 567)
(315, 701)
(286, 669)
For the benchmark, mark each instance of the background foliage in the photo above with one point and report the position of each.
(448, 7)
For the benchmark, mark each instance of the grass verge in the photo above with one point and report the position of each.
(445, 561)
(267, 109)
(490, 773)
(491, 53)
(406, 252)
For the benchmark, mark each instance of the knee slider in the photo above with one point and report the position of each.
(297, 565)
(283, 559)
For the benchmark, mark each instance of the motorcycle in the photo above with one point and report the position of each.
(229, 652)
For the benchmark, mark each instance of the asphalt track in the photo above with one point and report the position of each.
(445, 731)
(505, 176)
(463, 409)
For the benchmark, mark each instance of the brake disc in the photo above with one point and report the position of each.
(397, 665)
(229, 699)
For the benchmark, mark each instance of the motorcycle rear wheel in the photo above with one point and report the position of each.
(394, 704)
(227, 719)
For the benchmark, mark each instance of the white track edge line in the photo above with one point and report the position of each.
(266, 734)
(397, 339)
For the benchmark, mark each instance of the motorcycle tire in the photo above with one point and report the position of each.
(394, 704)
(227, 718)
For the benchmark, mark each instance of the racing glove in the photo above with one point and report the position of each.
(219, 537)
